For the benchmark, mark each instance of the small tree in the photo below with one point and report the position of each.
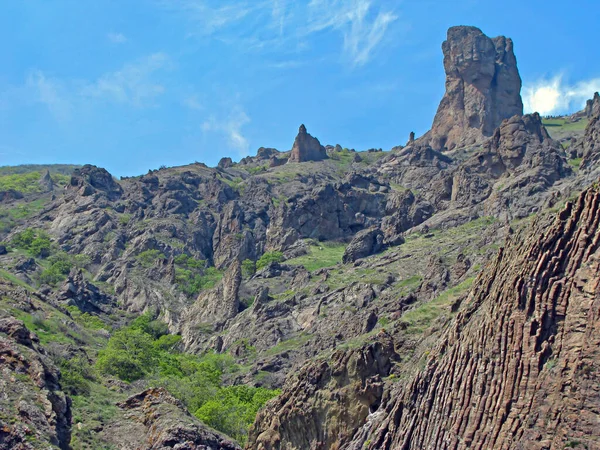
(129, 355)
(269, 258)
(248, 268)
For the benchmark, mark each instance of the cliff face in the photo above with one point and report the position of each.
(482, 88)
(34, 411)
(519, 366)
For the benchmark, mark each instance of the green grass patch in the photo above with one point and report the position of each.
(289, 344)
(575, 163)
(323, 254)
(553, 124)
(13, 279)
(418, 319)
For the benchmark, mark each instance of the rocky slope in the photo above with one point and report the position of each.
(339, 275)
(34, 412)
(155, 420)
(517, 368)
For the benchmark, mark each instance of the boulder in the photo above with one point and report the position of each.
(224, 163)
(365, 243)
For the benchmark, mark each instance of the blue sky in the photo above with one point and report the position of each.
(130, 85)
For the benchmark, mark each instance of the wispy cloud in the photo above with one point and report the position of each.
(192, 102)
(362, 27)
(554, 96)
(51, 93)
(267, 24)
(231, 127)
(133, 84)
(117, 38)
(209, 18)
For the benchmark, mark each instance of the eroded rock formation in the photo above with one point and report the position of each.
(519, 367)
(30, 389)
(155, 420)
(307, 148)
(482, 88)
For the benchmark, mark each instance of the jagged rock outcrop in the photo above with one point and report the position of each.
(327, 402)
(214, 306)
(46, 182)
(307, 148)
(266, 153)
(364, 243)
(515, 168)
(588, 147)
(91, 179)
(482, 88)
(34, 412)
(77, 291)
(225, 163)
(519, 367)
(156, 420)
(326, 212)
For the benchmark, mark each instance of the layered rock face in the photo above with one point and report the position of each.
(307, 148)
(482, 88)
(328, 401)
(519, 367)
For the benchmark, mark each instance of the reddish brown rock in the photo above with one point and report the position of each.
(482, 88)
(519, 368)
(307, 148)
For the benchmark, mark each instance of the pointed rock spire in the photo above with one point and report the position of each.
(483, 87)
(307, 148)
(46, 182)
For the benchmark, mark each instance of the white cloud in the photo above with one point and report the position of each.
(133, 83)
(208, 19)
(231, 128)
(554, 96)
(51, 93)
(192, 102)
(117, 38)
(362, 29)
(264, 25)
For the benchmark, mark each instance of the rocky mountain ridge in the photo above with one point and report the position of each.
(352, 280)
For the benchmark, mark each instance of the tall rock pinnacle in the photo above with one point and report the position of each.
(483, 87)
(307, 148)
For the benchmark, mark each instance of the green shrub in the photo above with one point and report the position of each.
(234, 409)
(36, 242)
(124, 219)
(25, 182)
(192, 282)
(86, 320)
(268, 258)
(76, 374)
(129, 355)
(248, 268)
(148, 257)
(148, 324)
(189, 262)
